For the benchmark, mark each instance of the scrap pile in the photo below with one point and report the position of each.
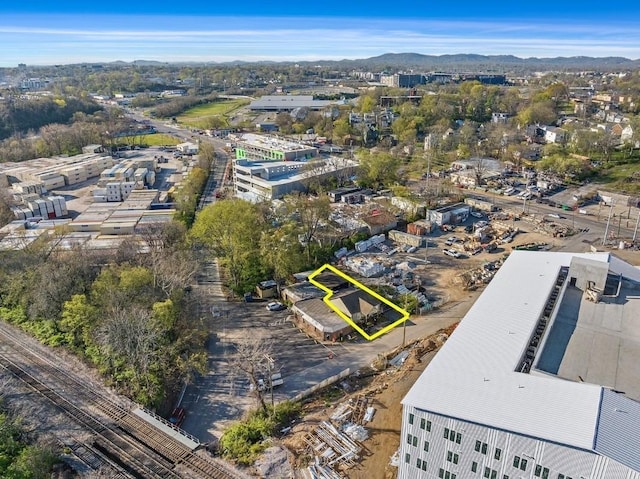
(334, 443)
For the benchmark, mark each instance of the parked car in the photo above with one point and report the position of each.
(451, 252)
(276, 306)
(476, 214)
(451, 240)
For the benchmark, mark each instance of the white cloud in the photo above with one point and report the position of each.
(253, 39)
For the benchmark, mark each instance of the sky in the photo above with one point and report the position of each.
(45, 32)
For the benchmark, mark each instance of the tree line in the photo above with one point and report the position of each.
(19, 115)
(129, 313)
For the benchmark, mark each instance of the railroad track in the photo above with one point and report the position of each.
(123, 441)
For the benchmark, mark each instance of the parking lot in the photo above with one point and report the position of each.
(223, 395)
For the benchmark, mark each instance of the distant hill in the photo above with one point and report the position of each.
(461, 62)
(464, 62)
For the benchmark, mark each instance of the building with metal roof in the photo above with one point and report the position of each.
(540, 379)
(288, 103)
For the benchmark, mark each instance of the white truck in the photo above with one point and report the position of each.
(276, 380)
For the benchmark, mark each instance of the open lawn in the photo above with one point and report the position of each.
(156, 139)
(201, 116)
(622, 173)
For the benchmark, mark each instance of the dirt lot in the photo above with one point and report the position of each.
(384, 392)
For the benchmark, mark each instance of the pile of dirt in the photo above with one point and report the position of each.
(275, 462)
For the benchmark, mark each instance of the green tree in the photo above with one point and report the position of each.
(378, 169)
(231, 230)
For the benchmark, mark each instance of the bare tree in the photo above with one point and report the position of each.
(174, 271)
(312, 214)
(479, 170)
(253, 360)
(129, 332)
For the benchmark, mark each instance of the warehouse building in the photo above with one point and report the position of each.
(288, 103)
(539, 380)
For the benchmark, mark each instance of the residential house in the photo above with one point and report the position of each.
(553, 134)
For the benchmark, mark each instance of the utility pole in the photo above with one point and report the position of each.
(635, 231)
(606, 230)
(404, 323)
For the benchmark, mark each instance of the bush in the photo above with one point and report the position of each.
(247, 439)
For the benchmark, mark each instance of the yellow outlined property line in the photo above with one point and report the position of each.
(327, 300)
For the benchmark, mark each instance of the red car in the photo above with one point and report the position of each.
(177, 416)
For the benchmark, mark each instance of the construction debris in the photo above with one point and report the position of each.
(332, 447)
(355, 432)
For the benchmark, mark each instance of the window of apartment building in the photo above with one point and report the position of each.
(441, 473)
(481, 447)
(407, 458)
(538, 470)
(494, 474)
(426, 446)
(411, 417)
(474, 466)
(424, 424)
(412, 440)
(452, 435)
(418, 463)
(409, 437)
(545, 473)
(487, 472)
(453, 457)
(415, 442)
(497, 454)
(516, 461)
(458, 438)
(506, 476)
(424, 465)
(523, 464)
(446, 433)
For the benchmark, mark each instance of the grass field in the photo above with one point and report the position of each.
(201, 115)
(156, 139)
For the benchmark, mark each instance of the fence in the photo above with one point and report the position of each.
(327, 382)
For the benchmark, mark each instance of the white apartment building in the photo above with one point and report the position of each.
(539, 380)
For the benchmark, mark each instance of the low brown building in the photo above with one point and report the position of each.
(320, 321)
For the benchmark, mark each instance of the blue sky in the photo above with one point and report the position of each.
(45, 32)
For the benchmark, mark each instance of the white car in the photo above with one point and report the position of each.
(276, 306)
(451, 252)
